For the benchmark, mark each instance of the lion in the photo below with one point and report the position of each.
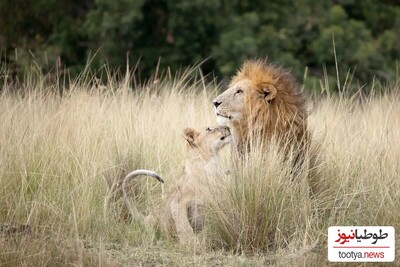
(263, 103)
(182, 212)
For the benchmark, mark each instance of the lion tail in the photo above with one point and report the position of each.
(132, 209)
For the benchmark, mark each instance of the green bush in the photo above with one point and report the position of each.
(175, 34)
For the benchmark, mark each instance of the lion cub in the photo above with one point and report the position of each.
(182, 213)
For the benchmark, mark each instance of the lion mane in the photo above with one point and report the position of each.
(263, 102)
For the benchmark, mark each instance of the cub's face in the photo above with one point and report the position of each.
(209, 140)
(229, 106)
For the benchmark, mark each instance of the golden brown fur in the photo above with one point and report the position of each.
(182, 212)
(263, 103)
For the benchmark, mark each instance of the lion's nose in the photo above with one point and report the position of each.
(216, 103)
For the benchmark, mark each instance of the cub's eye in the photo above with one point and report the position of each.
(208, 129)
(239, 91)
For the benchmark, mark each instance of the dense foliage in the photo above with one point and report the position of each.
(298, 34)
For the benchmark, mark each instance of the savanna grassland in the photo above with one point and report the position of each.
(62, 150)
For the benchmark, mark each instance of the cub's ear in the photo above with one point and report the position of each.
(190, 135)
(269, 92)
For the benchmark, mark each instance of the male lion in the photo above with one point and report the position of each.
(182, 211)
(263, 103)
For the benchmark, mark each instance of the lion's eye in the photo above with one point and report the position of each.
(239, 91)
(208, 129)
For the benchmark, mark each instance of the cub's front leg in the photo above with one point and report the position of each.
(179, 212)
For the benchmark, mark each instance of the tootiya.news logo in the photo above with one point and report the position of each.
(361, 243)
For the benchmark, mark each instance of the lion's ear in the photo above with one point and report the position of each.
(190, 135)
(269, 92)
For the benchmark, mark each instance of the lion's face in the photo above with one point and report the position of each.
(229, 106)
(234, 105)
(263, 102)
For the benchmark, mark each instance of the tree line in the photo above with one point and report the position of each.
(298, 34)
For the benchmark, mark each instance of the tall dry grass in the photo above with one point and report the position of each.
(59, 154)
(354, 181)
